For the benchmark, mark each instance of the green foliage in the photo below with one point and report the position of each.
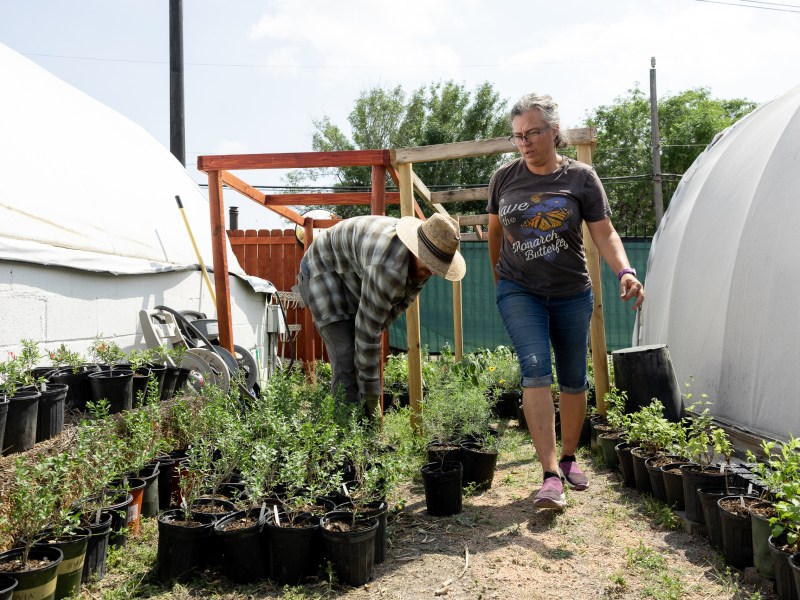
(615, 409)
(455, 410)
(703, 442)
(502, 372)
(778, 467)
(63, 357)
(438, 113)
(395, 373)
(688, 121)
(650, 430)
(139, 357)
(15, 371)
(33, 499)
(105, 352)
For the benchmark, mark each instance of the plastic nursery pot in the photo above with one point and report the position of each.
(94, 566)
(39, 583)
(244, 552)
(350, 545)
(159, 372)
(794, 565)
(623, 450)
(378, 510)
(79, 389)
(694, 478)
(760, 514)
(70, 571)
(653, 466)
(607, 441)
(479, 466)
(50, 418)
(133, 515)
(210, 510)
(443, 451)
(149, 474)
(170, 379)
(784, 578)
(183, 546)
(640, 474)
(141, 377)
(116, 386)
(293, 548)
(117, 504)
(20, 432)
(443, 491)
(708, 501)
(3, 414)
(737, 531)
(673, 484)
(7, 585)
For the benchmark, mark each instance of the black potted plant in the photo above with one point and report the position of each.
(703, 444)
(72, 370)
(112, 381)
(19, 403)
(32, 500)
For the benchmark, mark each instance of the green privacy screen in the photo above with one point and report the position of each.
(482, 325)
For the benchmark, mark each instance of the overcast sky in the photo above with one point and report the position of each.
(258, 72)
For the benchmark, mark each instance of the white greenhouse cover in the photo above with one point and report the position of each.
(723, 276)
(86, 188)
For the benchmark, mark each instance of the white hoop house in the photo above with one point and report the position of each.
(723, 277)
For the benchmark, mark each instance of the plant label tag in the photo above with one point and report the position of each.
(344, 489)
(277, 516)
(721, 468)
(749, 488)
(741, 501)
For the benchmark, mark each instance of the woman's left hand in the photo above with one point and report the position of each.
(630, 287)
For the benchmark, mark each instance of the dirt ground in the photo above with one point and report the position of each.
(610, 542)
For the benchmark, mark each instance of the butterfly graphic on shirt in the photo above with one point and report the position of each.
(549, 213)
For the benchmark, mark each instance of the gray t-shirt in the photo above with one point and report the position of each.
(541, 216)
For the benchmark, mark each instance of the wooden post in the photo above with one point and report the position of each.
(308, 322)
(405, 183)
(597, 326)
(220, 255)
(458, 320)
(378, 207)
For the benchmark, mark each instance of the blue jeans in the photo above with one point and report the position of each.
(535, 322)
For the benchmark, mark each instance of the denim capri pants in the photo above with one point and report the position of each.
(535, 322)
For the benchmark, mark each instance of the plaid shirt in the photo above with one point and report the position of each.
(359, 269)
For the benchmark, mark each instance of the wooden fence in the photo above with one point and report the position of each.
(274, 255)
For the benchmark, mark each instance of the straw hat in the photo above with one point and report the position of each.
(434, 242)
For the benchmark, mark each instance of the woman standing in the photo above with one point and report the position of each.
(536, 207)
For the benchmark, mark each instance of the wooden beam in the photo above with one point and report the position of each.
(249, 191)
(461, 195)
(333, 198)
(472, 237)
(405, 181)
(469, 220)
(597, 325)
(293, 160)
(219, 250)
(422, 190)
(573, 137)
(378, 194)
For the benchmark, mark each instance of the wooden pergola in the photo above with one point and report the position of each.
(398, 163)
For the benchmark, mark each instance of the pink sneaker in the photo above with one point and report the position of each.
(551, 494)
(573, 475)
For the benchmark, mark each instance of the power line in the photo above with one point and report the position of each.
(756, 7)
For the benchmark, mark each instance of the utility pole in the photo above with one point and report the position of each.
(658, 193)
(177, 129)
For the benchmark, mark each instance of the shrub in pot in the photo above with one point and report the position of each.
(702, 443)
(654, 435)
(737, 533)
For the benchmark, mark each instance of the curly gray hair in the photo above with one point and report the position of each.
(546, 107)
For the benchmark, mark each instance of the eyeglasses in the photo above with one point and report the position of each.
(528, 138)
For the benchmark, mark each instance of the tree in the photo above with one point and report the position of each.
(688, 121)
(439, 113)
